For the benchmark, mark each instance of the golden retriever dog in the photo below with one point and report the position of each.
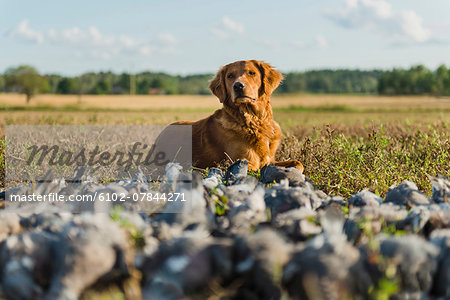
(244, 127)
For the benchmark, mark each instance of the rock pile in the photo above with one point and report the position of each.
(238, 237)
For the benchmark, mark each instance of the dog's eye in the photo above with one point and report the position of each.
(251, 73)
(230, 75)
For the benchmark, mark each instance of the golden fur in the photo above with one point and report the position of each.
(244, 128)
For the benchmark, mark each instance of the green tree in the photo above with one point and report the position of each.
(103, 87)
(84, 84)
(170, 85)
(143, 86)
(124, 83)
(194, 84)
(157, 83)
(293, 83)
(417, 80)
(25, 79)
(442, 81)
(2, 83)
(67, 86)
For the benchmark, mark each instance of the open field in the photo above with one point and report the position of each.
(199, 102)
(290, 111)
(347, 142)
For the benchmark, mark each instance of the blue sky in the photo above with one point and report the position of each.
(184, 37)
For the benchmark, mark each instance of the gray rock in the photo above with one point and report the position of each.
(441, 189)
(386, 211)
(179, 215)
(52, 222)
(105, 198)
(184, 266)
(173, 171)
(327, 268)
(282, 200)
(238, 192)
(416, 219)
(256, 266)
(244, 217)
(236, 172)
(140, 176)
(215, 172)
(76, 257)
(210, 183)
(282, 185)
(332, 221)
(137, 188)
(298, 224)
(364, 198)
(332, 201)
(26, 262)
(135, 220)
(375, 217)
(353, 231)
(213, 179)
(441, 284)
(187, 250)
(438, 219)
(414, 259)
(271, 173)
(187, 266)
(321, 194)
(18, 190)
(255, 201)
(406, 194)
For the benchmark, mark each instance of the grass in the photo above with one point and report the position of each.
(343, 160)
(2, 161)
(347, 143)
(127, 102)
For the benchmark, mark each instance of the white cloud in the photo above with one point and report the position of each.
(319, 41)
(101, 54)
(167, 39)
(95, 43)
(232, 25)
(145, 50)
(378, 16)
(411, 25)
(23, 32)
(227, 28)
(380, 8)
(128, 42)
(92, 37)
(220, 33)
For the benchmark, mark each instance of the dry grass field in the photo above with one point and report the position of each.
(347, 142)
(290, 111)
(158, 102)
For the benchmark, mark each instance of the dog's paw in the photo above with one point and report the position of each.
(291, 164)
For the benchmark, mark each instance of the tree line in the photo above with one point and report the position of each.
(417, 80)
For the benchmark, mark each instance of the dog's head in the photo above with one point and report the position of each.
(246, 82)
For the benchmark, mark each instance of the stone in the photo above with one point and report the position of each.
(364, 198)
(271, 173)
(406, 194)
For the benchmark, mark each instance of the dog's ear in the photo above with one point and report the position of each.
(270, 78)
(217, 85)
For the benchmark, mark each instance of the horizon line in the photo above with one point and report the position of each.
(213, 72)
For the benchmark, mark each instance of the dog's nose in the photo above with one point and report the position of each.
(238, 86)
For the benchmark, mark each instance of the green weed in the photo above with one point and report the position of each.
(345, 160)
